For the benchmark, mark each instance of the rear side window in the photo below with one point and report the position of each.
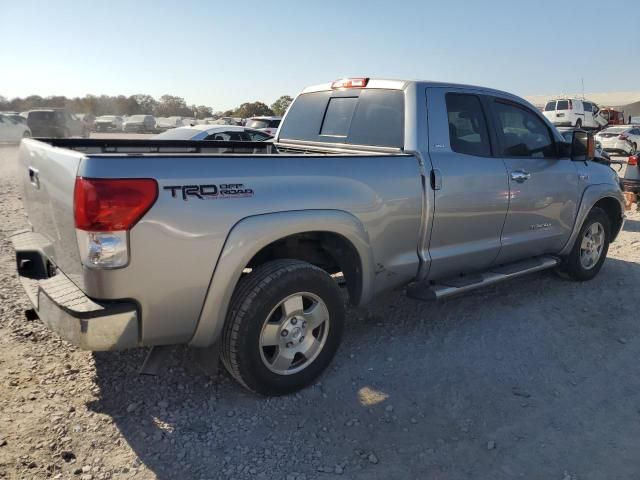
(360, 117)
(563, 105)
(587, 107)
(522, 133)
(550, 106)
(468, 131)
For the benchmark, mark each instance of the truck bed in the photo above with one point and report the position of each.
(175, 246)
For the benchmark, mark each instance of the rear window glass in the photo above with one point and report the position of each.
(359, 117)
(41, 115)
(550, 106)
(337, 119)
(563, 105)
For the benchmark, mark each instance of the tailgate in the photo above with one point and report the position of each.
(48, 177)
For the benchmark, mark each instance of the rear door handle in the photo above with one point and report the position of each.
(34, 177)
(520, 176)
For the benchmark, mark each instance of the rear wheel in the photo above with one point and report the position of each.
(579, 123)
(283, 328)
(590, 248)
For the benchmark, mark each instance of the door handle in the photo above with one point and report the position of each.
(34, 177)
(520, 176)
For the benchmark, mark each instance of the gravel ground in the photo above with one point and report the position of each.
(538, 379)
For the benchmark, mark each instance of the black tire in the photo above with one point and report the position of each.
(579, 123)
(255, 297)
(26, 135)
(572, 266)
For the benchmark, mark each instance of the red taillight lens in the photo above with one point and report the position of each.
(350, 83)
(107, 205)
(633, 160)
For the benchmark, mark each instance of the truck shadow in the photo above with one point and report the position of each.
(455, 389)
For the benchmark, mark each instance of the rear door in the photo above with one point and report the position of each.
(543, 188)
(470, 185)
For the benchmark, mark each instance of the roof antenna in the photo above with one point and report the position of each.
(582, 81)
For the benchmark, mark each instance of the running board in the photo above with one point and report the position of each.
(461, 284)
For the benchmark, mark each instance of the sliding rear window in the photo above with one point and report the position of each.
(358, 117)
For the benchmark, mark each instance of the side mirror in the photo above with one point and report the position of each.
(583, 146)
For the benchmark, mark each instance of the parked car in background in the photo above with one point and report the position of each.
(164, 123)
(623, 139)
(57, 123)
(12, 130)
(108, 123)
(227, 121)
(266, 124)
(634, 120)
(15, 116)
(214, 132)
(573, 112)
(87, 118)
(612, 116)
(139, 124)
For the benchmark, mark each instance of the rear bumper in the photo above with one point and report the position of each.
(65, 309)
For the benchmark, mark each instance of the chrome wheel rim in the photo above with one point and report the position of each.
(592, 245)
(294, 333)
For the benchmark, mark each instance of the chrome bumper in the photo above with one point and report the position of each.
(65, 309)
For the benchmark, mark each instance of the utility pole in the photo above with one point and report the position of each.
(582, 81)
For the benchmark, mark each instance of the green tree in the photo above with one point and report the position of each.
(146, 103)
(280, 106)
(252, 109)
(170, 105)
(202, 111)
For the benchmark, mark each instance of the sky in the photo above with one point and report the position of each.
(223, 53)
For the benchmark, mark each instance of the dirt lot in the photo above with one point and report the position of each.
(538, 379)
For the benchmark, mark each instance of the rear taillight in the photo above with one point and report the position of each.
(633, 160)
(108, 205)
(104, 211)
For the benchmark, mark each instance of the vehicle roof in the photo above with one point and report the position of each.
(394, 84)
(264, 117)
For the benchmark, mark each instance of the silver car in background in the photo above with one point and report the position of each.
(623, 139)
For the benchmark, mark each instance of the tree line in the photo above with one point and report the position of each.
(165, 106)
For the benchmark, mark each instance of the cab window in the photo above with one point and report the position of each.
(468, 131)
(522, 133)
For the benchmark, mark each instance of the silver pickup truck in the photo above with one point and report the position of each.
(375, 184)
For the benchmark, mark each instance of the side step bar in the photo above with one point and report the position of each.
(456, 285)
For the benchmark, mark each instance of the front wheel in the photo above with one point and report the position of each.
(590, 248)
(283, 328)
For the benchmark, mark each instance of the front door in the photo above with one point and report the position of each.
(543, 188)
(469, 184)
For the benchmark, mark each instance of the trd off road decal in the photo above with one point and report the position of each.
(210, 192)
